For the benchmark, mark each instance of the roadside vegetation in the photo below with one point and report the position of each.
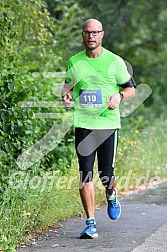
(37, 38)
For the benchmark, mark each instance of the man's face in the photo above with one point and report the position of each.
(92, 41)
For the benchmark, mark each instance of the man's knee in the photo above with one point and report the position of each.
(86, 177)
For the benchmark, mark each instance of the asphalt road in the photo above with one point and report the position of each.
(142, 227)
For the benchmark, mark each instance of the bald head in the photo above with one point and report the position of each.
(92, 36)
(93, 23)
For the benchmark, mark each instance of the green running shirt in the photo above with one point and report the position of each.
(95, 80)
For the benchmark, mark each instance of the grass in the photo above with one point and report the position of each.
(142, 156)
(30, 205)
(44, 201)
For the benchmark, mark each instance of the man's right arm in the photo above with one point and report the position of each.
(67, 91)
(67, 95)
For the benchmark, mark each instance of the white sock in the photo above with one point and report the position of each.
(112, 196)
(92, 218)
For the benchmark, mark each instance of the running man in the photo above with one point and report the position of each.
(97, 82)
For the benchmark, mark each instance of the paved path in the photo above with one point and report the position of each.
(142, 227)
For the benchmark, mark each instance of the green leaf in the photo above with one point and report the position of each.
(10, 86)
(6, 127)
(6, 39)
(17, 1)
(4, 115)
(7, 147)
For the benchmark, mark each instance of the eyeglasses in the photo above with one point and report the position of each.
(94, 33)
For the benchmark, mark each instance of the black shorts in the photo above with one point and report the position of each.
(88, 143)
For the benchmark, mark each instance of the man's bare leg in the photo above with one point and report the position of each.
(110, 189)
(87, 194)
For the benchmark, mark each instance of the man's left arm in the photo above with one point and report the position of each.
(126, 83)
(126, 94)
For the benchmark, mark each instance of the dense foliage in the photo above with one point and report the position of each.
(31, 46)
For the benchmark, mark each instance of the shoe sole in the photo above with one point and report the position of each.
(119, 213)
(86, 236)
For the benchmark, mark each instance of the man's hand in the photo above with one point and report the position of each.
(114, 101)
(67, 100)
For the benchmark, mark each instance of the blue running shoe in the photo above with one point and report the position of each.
(114, 207)
(90, 231)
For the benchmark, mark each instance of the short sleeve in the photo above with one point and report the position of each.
(121, 72)
(68, 78)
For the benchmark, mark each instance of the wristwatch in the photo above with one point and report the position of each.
(121, 95)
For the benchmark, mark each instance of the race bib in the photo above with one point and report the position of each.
(90, 98)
